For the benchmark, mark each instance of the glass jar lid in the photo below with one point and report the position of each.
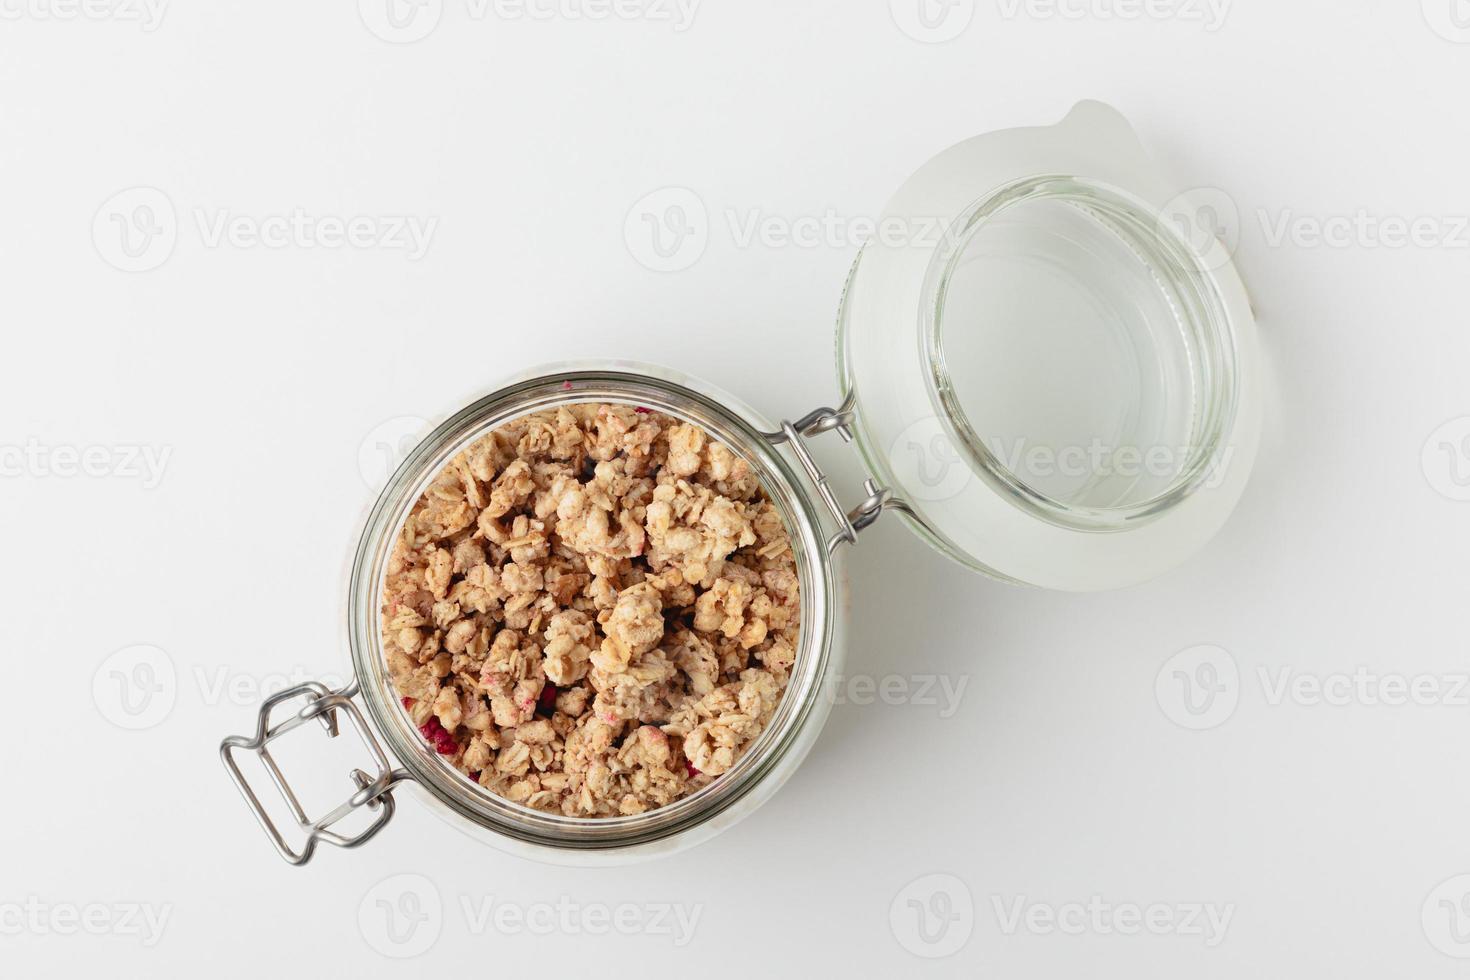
(1048, 363)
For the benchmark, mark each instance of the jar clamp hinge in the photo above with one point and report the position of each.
(879, 499)
(373, 792)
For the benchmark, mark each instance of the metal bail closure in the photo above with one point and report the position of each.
(373, 792)
(879, 498)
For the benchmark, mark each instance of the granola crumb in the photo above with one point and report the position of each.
(593, 610)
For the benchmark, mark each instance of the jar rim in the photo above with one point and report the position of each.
(1167, 264)
(803, 707)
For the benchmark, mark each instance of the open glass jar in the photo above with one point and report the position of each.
(1045, 376)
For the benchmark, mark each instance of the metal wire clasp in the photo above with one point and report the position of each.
(879, 498)
(373, 792)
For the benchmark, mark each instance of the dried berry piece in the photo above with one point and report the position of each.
(435, 734)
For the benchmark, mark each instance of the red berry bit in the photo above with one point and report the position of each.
(435, 734)
(546, 703)
(643, 411)
(407, 703)
(689, 768)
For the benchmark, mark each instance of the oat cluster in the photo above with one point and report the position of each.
(593, 610)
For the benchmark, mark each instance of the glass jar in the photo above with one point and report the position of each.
(1052, 299)
(1059, 373)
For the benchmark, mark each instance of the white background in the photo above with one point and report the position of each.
(1325, 830)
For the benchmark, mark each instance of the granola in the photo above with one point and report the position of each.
(593, 610)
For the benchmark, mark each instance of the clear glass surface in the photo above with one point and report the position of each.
(1084, 361)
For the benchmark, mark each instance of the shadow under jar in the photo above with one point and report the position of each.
(1063, 302)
